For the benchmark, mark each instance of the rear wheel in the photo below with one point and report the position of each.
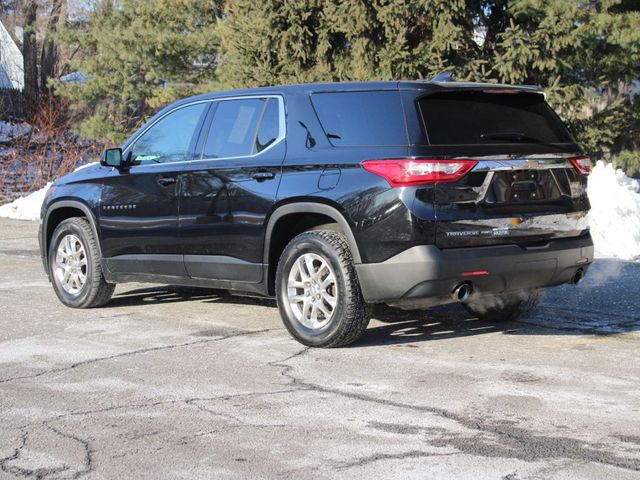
(74, 266)
(503, 308)
(318, 292)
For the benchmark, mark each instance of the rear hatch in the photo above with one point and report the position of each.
(529, 183)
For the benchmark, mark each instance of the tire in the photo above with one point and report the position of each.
(348, 317)
(94, 291)
(504, 308)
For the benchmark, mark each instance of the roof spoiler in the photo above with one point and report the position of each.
(443, 77)
(448, 77)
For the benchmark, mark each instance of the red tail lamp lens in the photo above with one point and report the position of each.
(406, 172)
(582, 165)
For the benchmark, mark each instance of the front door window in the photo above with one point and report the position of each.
(169, 139)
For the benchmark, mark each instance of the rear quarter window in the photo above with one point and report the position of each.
(480, 117)
(371, 118)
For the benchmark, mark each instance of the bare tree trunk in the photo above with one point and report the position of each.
(30, 55)
(49, 56)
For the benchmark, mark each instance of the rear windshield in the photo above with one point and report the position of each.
(477, 117)
(372, 118)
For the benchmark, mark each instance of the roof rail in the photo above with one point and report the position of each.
(443, 77)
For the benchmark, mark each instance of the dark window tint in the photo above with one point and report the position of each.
(269, 127)
(490, 118)
(233, 129)
(168, 140)
(361, 118)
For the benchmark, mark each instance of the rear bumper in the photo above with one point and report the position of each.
(426, 275)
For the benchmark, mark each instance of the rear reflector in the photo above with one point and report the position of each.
(582, 165)
(406, 172)
(477, 273)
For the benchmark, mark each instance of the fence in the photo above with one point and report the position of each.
(11, 104)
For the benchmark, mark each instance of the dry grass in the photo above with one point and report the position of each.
(48, 151)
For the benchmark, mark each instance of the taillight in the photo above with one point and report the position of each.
(406, 172)
(582, 165)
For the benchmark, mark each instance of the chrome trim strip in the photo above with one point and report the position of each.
(535, 163)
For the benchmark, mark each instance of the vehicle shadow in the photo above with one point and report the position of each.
(395, 326)
(605, 303)
(160, 294)
(176, 294)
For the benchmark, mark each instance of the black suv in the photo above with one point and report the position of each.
(332, 197)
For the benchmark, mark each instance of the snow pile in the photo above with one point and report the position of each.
(28, 207)
(25, 208)
(615, 212)
(11, 131)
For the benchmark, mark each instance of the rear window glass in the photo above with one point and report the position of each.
(361, 118)
(455, 118)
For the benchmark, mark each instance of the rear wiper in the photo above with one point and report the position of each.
(517, 136)
(511, 135)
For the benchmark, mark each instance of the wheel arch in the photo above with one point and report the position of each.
(58, 212)
(321, 213)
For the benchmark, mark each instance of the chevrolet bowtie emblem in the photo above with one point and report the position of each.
(532, 163)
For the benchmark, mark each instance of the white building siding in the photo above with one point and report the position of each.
(11, 64)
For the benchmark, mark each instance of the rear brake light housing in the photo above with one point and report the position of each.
(582, 165)
(406, 172)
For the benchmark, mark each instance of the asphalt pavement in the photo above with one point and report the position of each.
(168, 382)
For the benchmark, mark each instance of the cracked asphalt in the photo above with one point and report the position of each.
(167, 382)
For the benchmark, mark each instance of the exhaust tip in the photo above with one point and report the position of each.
(578, 276)
(462, 292)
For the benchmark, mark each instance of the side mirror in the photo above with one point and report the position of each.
(112, 157)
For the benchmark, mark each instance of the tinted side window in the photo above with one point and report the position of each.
(168, 139)
(269, 127)
(233, 129)
(478, 117)
(361, 118)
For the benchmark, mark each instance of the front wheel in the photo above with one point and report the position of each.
(503, 308)
(318, 293)
(74, 266)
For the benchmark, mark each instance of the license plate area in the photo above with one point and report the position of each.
(526, 186)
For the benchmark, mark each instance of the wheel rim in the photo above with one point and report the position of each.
(312, 290)
(71, 265)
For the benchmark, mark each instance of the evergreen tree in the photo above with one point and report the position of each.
(281, 41)
(584, 53)
(139, 55)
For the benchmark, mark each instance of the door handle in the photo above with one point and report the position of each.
(264, 175)
(166, 181)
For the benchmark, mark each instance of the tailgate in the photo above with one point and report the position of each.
(522, 201)
(524, 188)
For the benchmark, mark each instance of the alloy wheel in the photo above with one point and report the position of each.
(312, 290)
(71, 264)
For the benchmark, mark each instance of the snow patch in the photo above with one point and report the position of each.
(86, 165)
(11, 131)
(615, 213)
(28, 207)
(25, 208)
